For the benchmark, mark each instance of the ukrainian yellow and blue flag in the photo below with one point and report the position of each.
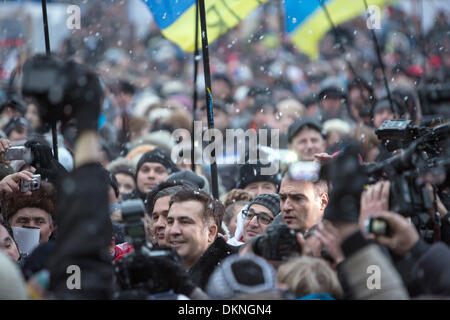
(306, 22)
(176, 18)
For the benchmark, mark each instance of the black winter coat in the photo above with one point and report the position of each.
(205, 266)
(84, 235)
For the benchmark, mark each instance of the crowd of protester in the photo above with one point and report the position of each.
(118, 146)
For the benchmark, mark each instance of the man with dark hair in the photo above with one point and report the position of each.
(157, 207)
(302, 202)
(193, 222)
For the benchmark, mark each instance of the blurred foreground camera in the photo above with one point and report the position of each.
(141, 273)
(57, 86)
(18, 153)
(278, 243)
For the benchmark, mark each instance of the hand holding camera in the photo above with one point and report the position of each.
(403, 235)
(16, 182)
(373, 200)
(4, 145)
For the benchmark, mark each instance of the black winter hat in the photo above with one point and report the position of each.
(331, 92)
(158, 156)
(270, 201)
(188, 177)
(15, 102)
(15, 123)
(249, 173)
(299, 124)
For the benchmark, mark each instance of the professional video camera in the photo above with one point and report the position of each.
(58, 86)
(405, 171)
(139, 273)
(278, 243)
(400, 133)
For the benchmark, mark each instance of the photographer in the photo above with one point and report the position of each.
(35, 209)
(422, 266)
(360, 253)
(83, 199)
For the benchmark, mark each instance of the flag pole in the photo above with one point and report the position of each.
(380, 61)
(209, 101)
(194, 95)
(48, 53)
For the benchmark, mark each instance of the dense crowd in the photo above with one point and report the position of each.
(141, 223)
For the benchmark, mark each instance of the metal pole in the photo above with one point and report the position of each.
(209, 101)
(194, 98)
(48, 52)
(380, 60)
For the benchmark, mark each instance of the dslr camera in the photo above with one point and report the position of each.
(32, 185)
(278, 243)
(138, 274)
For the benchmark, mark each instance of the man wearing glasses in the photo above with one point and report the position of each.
(259, 215)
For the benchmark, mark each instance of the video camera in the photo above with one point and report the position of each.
(425, 154)
(400, 133)
(57, 86)
(278, 243)
(139, 275)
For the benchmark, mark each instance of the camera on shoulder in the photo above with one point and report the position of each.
(141, 273)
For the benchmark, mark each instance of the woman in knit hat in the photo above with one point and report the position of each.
(259, 215)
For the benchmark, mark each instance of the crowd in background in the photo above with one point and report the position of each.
(259, 81)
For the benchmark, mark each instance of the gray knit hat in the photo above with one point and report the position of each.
(241, 274)
(269, 200)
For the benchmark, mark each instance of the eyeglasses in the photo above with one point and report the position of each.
(262, 217)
